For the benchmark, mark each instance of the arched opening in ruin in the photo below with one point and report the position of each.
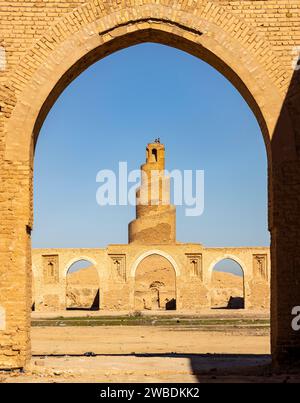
(82, 286)
(227, 285)
(190, 148)
(126, 143)
(74, 63)
(155, 284)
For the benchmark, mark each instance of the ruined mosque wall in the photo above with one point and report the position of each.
(117, 266)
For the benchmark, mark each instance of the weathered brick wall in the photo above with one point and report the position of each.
(193, 291)
(277, 21)
(250, 42)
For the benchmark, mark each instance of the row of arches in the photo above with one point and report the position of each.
(154, 285)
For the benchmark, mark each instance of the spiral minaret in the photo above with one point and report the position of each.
(155, 221)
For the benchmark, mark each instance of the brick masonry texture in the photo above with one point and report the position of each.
(48, 43)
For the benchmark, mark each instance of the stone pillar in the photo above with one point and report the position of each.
(285, 255)
(285, 229)
(15, 264)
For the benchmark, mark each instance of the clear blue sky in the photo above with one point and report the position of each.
(225, 265)
(109, 114)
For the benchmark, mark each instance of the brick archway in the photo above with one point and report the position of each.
(243, 268)
(154, 271)
(234, 258)
(83, 35)
(94, 303)
(68, 48)
(158, 252)
(77, 259)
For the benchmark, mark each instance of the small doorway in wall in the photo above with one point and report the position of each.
(227, 285)
(82, 287)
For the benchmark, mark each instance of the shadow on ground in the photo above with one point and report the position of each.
(198, 365)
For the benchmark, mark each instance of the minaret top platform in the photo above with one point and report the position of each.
(155, 156)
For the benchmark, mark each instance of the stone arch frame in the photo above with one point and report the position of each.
(77, 259)
(243, 60)
(67, 267)
(151, 252)
(223, 257)
(242, 266)
(144, 255)
(206, 30)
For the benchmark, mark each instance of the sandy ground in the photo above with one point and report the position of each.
(139, 354)
(147, 354)
(143, 339)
